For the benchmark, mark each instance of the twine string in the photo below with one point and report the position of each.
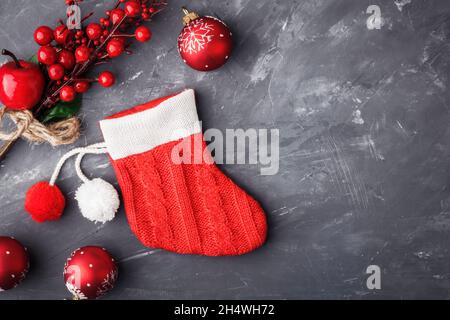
(28, 127)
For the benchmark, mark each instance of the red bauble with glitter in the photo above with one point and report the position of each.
(90, 272)
(14, 263)
(205, 43)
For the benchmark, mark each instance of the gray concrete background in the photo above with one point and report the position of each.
(364, 133)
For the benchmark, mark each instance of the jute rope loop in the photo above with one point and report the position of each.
(58, 133)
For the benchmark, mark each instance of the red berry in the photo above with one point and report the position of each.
(62, 34)
(115, 48)
(47, 55)
(66, 59)
(67, 94)
(132, 8)
(82, 54)
(81, 86)
(151, 10)
(143, 34)
(55, 71)
(94, 31)
(106, 79)
(117, 15)
(145, 16)
(43, 35)
(104, 22)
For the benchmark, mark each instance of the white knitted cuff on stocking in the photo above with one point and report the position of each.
(173, 119)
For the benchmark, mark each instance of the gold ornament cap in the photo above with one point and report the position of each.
(189, 16)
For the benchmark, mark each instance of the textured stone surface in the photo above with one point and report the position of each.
(364, 144)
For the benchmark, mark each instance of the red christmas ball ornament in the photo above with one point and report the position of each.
(90, 272)
(205, 43)
(14, 263)
(44, 202)
(43, 35)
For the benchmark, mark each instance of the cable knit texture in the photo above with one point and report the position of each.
(184, 208)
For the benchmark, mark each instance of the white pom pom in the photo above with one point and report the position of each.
(98, 200)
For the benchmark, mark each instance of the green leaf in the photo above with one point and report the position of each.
(34, 59)
(62, 110)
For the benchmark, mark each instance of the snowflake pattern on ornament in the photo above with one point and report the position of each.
(107, 283)
(196, 36)
(76, 292)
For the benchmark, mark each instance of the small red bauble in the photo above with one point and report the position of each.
(116, 15)
(44, 202)
(115, 47)
(82, 54)
(43, 35)
(47, 55)
(94, 31)
(205, 43)
(143, 34)
(14, 263)
(62, 35)
(90, 272)
(81, 86)
(132, 8)
(66, 59)
(67, 94)
(106, 79)
(55, 71)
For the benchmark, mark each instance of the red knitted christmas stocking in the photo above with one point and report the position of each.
(189, 207)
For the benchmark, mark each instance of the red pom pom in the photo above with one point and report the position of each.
(44, 202)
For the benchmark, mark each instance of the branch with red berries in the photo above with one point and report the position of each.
(64, 58)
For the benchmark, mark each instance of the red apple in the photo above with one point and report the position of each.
(21, 83)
